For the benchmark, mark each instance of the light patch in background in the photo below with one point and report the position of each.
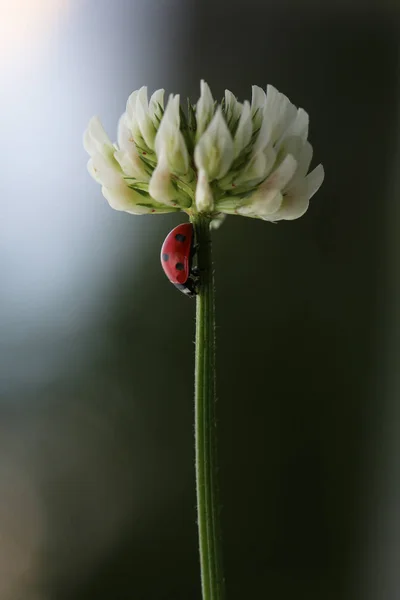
(24, 25)
(61, 246)
(64, 256)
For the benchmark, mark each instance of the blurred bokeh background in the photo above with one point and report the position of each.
(96, 347)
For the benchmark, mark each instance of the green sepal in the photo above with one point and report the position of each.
(184, 127)
(140, 191)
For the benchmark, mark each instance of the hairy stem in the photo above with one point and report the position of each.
(208, 509)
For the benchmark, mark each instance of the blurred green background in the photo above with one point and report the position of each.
(97, 496)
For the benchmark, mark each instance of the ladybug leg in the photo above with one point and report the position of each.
(196, 271)
(192, 286)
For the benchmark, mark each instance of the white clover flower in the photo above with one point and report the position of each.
(232, 158)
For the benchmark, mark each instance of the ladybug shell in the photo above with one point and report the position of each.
(176, 253)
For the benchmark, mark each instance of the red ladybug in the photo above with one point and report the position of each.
(176, 258)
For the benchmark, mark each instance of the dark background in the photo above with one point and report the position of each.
(96, 347)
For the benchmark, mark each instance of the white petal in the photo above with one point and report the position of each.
(160, 186)
(131, 105)
(214, 151)
(126, 163)
(233, 108)
(131, 165)
(279, 112)
(299, 125)
(264, 136)
(258, 100)
(293, 207)
(170, 141)
(156, 100)
(92, 171)
(297, 128)
(88, 143)
(141, 98)
(125, 137)
(217, 221)
(128, 156)
(172, 111)
(178, 155)
(244, 129)
(204, 108)
(145, 123)
(270, 160)
(204, 197)
(276, 115)
(291, 145)
(267, 199)
(97, 132)
(262, 207)
(171, 119)
(257, 168)
(169, 126)
(280, 177)
(303, 158)
(297, 198)
(123, 198)
(314, 180)
(131, 112)
(107, 172)
(95, 138)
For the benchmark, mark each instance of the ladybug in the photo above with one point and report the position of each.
(177, 254)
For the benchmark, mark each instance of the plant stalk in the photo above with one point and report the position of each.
(208, 508)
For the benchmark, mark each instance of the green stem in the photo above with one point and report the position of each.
(208, 509)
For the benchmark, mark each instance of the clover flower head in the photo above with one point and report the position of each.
(249, 159)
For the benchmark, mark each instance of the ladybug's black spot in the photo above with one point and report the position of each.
(180, 237)
(165, 257)
(179, 266)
